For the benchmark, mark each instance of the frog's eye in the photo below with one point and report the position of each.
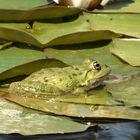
(96, 66)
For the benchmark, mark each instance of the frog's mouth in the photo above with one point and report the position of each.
(96, 82)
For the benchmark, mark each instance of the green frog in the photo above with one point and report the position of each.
(74, 80)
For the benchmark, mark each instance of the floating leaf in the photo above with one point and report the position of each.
(18, 5)
(96, 96)
(43, 34)
(14, 56)
(16, 119)
(127, 24)
(32, 10)
(76, 110)
(128, 50)
(20, 61)
(126, 91)
(100, 51)
(87, 28)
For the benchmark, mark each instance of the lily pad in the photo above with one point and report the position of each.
(18, 5)
(87, 28)
(96, 96)
(14, 56)
(28, 68)
(33, 10)
(76, 110)
(126, 24)
(100, 51)
(22, 61)
(16, 119)
(43, 34)
(128, 50)
(126, 91)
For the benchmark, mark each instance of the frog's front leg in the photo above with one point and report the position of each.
(79, 90)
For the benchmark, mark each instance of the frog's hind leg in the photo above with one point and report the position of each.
(14, 88)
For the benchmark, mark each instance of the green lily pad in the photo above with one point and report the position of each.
(26, 4)
(96, 96)
(126, 24)
(87, 28)
(82, 107)
(20, 61)
(76, 110)
(16, 119)
(32, 10)
(128, 50)
(43, 34)
(100, 51)
(126, 91)
(28, 68)
(14, 56)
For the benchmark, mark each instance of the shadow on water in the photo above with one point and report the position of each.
(113, 131)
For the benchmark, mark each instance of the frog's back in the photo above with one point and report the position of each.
(43, 75)
(51, 75)
(49, 81)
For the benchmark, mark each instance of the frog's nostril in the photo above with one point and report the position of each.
(106, 66)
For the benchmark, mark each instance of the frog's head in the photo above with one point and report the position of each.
(95, 73)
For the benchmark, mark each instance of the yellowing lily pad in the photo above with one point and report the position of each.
(76, 110)
(128, 50)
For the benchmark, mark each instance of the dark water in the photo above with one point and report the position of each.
(111, 131)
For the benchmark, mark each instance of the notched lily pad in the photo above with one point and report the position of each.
(128, 50)
(86, 28)
(43, 34)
